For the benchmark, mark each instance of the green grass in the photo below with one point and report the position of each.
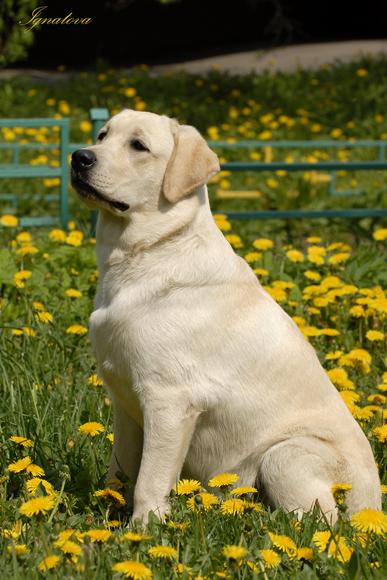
(47, 375)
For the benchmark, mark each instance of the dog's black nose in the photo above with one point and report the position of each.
(83, 159)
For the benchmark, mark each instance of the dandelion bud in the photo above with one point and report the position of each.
(56, 528)
(87, 539)
(198, 499)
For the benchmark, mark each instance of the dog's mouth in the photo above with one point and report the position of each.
(87, 192)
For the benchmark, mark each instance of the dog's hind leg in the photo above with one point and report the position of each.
(297, 472)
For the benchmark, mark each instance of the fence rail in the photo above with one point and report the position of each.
(99, 117)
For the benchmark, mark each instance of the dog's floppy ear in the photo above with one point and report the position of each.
(192, 163)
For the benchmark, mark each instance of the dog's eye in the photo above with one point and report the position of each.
(138, 146)
(101, 136)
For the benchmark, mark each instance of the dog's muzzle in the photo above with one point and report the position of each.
(82, 160)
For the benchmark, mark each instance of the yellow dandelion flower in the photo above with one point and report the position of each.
(133, 569)
(234, 240)
(375, 335)
(360, 354)
(311, 275)
(270, 559)
(349, 397)
(278, 294)
(20, 465)
(10, 534)
(35, 470)
(283, 284)
(261, 272)
(337, 376)
(362, 72)
(381, 433)
(57, 235)
(263, 244)
(110, 437)
(223, 225)
(85, 126)
(91, 429)
(339, 258)
(243, 490)
(343, 551)
(305, 554)
(299, 320)
(232, 506)
(38, 306)
(252, 257)
(20, 549)
(76, 329)
(208, 501)
(357, 311)
(187, 486)
(44, 317)
(378, 399)
(99, 535)
(363, 414)
(134, 537)
(25, 250)
(317, 250)
(111, 494)
(340, 489)
(295, 256)
(234, 552)
(49, 563)
(334, 355)
(24, 237)
(182, 526)
(73, 293)
(68, 547)
(316, 259)
(314, 239)
(164, 552)
(94, 380)
(33, 484)
(72, 240)
(284, 543)
(22, 441)
(321, 540)
(380, 235)
(70, 535)
(252, 506)
(36, 506)
(22, 275)
(223, 479)
(329, 332)
(9, 221)
(383, 489)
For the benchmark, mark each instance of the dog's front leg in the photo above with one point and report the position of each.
(168, 431)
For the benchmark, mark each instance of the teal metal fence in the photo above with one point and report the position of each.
(20, 170)
(98, 118)
(332, 166)
(25, 170)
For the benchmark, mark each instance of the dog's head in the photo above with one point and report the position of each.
(139, 156)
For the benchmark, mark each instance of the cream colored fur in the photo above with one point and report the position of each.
(207, 373)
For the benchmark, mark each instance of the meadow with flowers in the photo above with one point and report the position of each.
(59, 516)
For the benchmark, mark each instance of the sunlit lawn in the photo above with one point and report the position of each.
(332, 285)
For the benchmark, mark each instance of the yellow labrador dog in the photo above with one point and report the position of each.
(207, 373)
